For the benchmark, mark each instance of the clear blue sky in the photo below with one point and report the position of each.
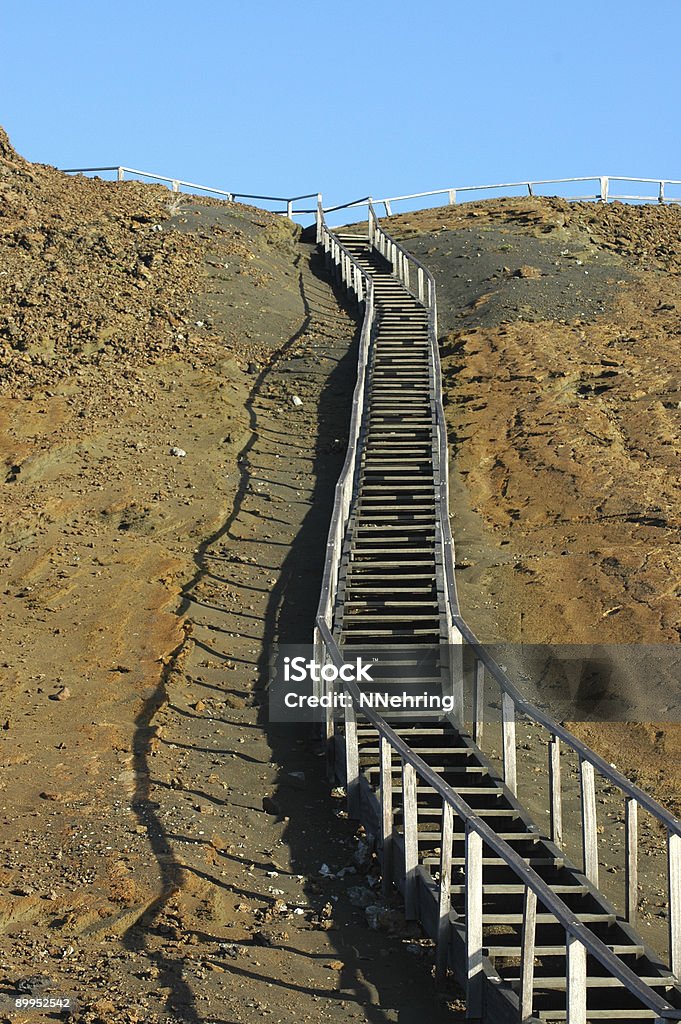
(351, 98)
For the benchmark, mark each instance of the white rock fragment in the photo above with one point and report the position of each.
(178, 452)
(297, 402)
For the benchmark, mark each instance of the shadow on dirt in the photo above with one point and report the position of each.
(369, 979)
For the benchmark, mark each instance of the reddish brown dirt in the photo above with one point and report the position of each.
(140, 871)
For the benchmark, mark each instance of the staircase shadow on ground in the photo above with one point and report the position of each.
(290, 619)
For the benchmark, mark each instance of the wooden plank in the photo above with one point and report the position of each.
(631, 859)
(445, 900)
(509, 752)
(474, 921)
(411, 847)
(555, 793)
(674, 882)
(589, 820)
(527, 954)
(576, 981)
(386, 794)
(478, 701)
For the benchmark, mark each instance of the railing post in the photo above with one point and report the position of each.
(351, 759)
(589, 821)
(605, 184)
(474, 971)
(419, 283)
(445, 901)
(660, 196)
(386, 812)
(674, 895)
(527, 954)
(455, 669)
(175, 186)
(555, 793)
(411, 848)
(319, 218)
(289, 209)
(452, 196)
(509, 753)
(576, 980)
(530, 190)
(631, 858)
(478, 701)
(120, 174)
(388, 211)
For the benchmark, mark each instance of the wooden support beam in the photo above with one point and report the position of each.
(411, 848)
(445, 900)
(473, 914)
(576, 981)
(555, 793)
(527, 944)
(589, 820)
(631, 859)
(509, 753)
(387, 821)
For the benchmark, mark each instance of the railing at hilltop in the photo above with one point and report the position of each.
(603, 191)
(177, 185)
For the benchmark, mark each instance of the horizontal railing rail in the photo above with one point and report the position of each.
(580, 940)
(603, 191)
(177, 184)
(351, 275)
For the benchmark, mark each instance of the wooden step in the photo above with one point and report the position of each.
(502, 950)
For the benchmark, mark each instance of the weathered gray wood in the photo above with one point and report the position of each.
(456, 681)
(674, 881)
(474, 969)
(527, 945)
(576, 980)
(555, 909)
(478, 701)
(509, 753)
(351, 760)
(631, 858)
(386, 813)
(445, 900)
(411, 849)
(555, 792)
(589, 820)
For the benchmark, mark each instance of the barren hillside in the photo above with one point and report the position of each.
(560, 328)
(163, 514)
(168, 855)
